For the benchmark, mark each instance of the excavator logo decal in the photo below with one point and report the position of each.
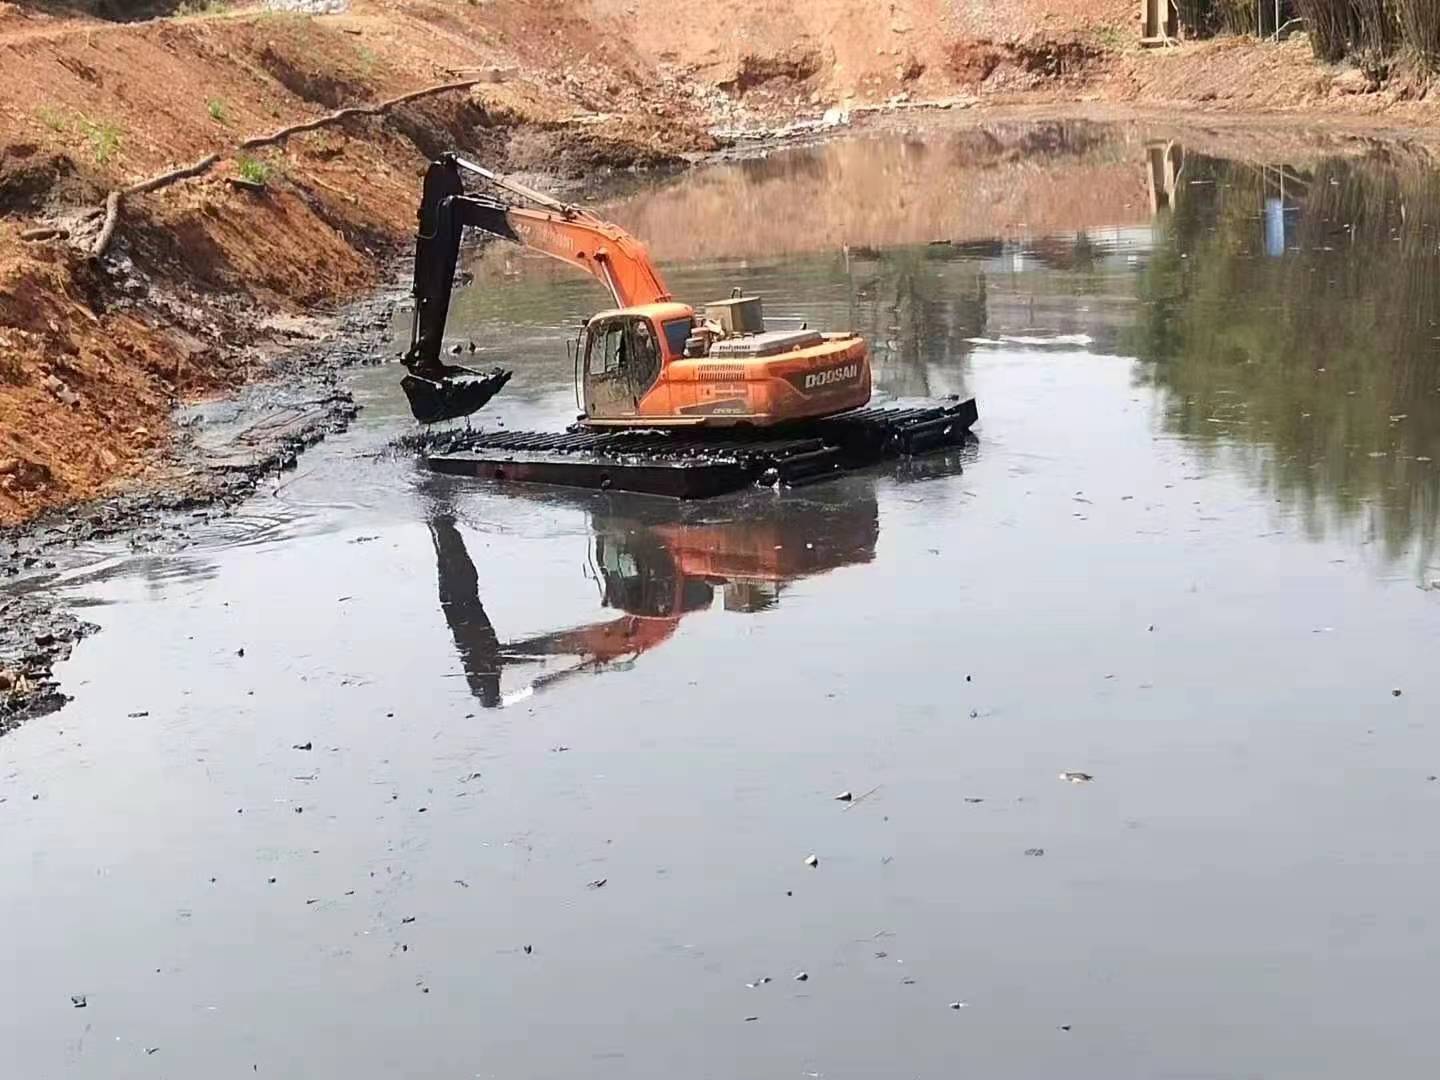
(817, 379)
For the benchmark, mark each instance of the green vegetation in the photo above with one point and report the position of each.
(216, 108)
(103, 137)
(253, 169)
(52, 118)
(1112, 38)
(369, 61)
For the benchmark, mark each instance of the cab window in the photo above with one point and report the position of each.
(677, 332)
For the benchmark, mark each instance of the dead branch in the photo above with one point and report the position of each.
(338, 115)
(112, 218)
(205, 164)
(36, 235)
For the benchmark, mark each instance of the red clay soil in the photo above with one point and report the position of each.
(94, 354)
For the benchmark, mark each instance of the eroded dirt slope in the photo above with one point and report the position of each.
(93, 354)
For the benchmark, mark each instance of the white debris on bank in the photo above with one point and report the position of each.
(835, 117)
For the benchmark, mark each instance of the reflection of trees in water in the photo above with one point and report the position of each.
(918, 308)
(1318, 367)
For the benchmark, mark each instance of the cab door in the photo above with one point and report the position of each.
(622, 365)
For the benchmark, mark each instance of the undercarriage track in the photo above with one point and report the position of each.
(690, 463)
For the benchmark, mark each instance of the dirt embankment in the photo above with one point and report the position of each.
(95, 352)
(203, 277)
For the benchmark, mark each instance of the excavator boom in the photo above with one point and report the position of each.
(569, 234)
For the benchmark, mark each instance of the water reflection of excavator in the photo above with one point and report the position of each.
(649, 362)
(656, 566)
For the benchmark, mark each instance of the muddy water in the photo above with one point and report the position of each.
(1192, 555)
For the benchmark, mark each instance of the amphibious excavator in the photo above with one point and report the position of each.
(650, 362)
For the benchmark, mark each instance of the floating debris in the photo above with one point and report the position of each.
(136, 715)
(1395, 692)
(407, 919)
(844, 796)
(303, 746)
(528, 949)
(598, 883)
(812, 861)
(78, 1000)
(758, 982)
(801, 976)
(958, 1005)
(1035, 851)
(1077, 777)
(973, 799)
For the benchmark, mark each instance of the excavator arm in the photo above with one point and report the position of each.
(439, 391)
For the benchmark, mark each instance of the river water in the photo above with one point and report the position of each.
(1191, 555)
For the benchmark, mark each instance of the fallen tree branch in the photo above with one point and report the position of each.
(205, 164)
(107, 230)
(164, 179)
(354, 110)
(36, 235)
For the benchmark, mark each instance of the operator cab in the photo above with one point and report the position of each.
(623, 353)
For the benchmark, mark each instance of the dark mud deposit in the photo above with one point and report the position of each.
(380, 773)
(225, 450)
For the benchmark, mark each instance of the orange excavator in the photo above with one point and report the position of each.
(650, 361)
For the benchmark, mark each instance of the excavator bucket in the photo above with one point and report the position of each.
(458, 392)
